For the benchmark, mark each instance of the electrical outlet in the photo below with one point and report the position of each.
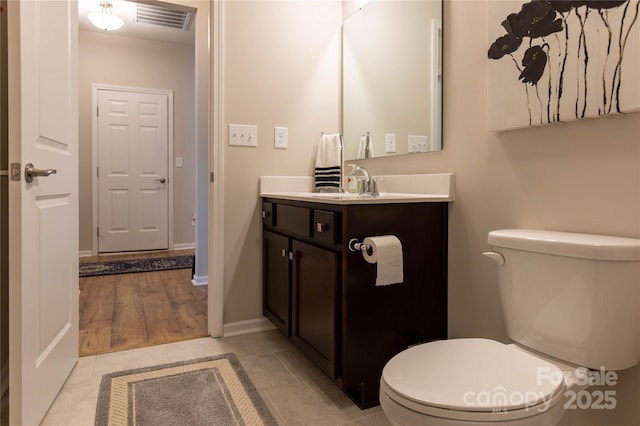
(243, 135)
(280, 137)
(390, 143)
(193, 220)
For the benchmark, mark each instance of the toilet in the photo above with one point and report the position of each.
(571, 304)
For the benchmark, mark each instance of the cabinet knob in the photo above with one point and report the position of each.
(266, 214)
(321, 227)
(284, 252)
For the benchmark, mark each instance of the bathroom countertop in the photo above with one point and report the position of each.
(349, 198)
(437, 187)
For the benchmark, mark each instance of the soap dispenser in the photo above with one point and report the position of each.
(352, 181)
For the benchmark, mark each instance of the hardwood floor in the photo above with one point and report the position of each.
(126, 311)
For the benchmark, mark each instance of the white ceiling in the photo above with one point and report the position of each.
(126, 11)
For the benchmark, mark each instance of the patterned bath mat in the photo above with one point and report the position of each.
(207, 391)
(137, 265)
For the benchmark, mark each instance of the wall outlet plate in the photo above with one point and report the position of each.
(243, 135)
(390, 143)
(281, 137)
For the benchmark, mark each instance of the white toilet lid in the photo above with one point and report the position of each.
(472, 375)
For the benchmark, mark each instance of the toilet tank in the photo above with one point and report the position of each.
(575, 297)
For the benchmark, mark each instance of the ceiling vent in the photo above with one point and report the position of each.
(164, 16)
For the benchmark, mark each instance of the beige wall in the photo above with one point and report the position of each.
(282, 68)
(582, 176)
(126, 61)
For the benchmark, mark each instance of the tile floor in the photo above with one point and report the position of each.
(296, 392)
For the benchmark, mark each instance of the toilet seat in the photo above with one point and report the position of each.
(472, 379)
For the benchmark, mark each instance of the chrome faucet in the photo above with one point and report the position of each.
(373, 186)
(365, 188)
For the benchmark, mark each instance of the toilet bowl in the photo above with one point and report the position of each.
(571, 302)
(471, 381)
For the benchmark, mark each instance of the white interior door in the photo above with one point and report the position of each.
(133, 144)
(43, 215)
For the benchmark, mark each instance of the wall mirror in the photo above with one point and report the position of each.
(392, 79)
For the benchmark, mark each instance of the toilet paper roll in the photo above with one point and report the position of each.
(386, 251)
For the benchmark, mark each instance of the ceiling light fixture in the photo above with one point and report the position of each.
(105, 20)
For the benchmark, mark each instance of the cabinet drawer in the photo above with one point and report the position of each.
(294, 219)
(326, 226)
(267, 214)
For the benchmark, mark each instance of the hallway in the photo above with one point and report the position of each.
(127, 311)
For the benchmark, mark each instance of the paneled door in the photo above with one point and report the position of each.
(133, 147)
(43, 203)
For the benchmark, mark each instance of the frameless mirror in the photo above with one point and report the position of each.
(392, 79)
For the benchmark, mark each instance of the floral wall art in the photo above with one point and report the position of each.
(558, 61)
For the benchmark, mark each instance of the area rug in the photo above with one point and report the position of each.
(207, 391)
(137, 265)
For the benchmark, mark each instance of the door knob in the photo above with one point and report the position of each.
(161, 180)
(30, 172)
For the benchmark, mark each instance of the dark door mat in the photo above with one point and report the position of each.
(134, 266)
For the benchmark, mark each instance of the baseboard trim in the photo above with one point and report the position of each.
(200, 280)
(247, 326)
(184, 246)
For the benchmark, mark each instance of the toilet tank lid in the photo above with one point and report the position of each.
(588, 246)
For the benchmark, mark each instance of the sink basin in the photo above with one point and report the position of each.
(338, 196)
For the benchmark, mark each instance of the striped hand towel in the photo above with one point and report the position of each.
(328, 169)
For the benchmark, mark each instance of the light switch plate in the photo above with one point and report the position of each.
(243, 135)
(281, 137)
(178, 161)
(418, 143)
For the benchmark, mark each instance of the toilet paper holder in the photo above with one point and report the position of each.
(356, 246)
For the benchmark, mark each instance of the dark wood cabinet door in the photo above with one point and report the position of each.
(314, 288)
(276, 287)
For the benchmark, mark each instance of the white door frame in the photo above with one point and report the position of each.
(94, 155)
(216, 170)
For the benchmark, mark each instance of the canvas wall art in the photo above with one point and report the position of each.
(558, 61)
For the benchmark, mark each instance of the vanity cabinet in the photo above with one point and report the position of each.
(323, 296)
